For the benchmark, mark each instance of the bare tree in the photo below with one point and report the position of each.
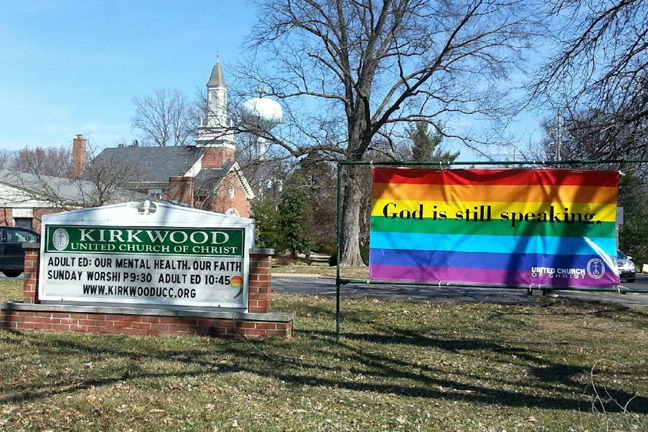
(47, 161)
(105, 181)
(164, 118)
(350, 72)
(598, 77)
(5, 157)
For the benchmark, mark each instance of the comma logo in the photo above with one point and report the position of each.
(596, 268)
(60, 239)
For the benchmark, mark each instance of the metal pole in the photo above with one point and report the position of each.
(560, 137)
(338, 252)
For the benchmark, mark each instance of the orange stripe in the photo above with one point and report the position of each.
(500, 193)
(524, 176)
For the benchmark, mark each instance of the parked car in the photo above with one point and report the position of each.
(12, 255)
(627, 269)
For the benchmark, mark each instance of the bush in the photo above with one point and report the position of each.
(296, 218)
(325, 248)
(268, 233)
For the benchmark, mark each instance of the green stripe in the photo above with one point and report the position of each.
(494, 227)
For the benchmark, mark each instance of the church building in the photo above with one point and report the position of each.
(205, 175)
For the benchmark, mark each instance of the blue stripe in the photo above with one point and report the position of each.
(497, 244)
(482, 260)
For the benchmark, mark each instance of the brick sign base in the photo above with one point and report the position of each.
(259, 322)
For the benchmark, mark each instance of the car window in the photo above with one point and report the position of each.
(2, 235)
(620, 255)
(18, 236)
(10, 236)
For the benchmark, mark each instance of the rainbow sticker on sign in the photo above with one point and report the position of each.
(502, 227)
(237, 282)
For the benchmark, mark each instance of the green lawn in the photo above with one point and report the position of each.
(401, 366)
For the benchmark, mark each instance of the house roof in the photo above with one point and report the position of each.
(63, 190)
(155, 164)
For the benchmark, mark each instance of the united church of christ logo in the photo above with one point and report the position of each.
(60, 239)
(596, 268)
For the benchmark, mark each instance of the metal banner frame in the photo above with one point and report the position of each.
(339, 281)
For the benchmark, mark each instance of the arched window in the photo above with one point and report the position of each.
(233, 212)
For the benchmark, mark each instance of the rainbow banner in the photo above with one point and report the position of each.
(503, 227)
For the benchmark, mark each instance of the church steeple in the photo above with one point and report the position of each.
(216, 131)
(217, 78)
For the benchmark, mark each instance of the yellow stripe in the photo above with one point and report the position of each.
(603, 212)
(490, 193)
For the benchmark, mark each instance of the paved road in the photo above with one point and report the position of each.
(326, 287)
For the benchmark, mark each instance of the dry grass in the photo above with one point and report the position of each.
(323, 270)
(401, 366)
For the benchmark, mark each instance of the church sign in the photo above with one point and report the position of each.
(183, 257)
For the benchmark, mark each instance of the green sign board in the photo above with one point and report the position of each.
(220, 242)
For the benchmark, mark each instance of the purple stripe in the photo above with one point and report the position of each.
(472, 276)
(484, 260)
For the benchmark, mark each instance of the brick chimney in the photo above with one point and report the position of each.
(215, 157)
(79, 156)
(181, 189)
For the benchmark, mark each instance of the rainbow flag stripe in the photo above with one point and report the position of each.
(507, 227)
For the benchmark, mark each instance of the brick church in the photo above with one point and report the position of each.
(205, 175)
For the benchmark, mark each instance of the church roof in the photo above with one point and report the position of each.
(209, 179)
(155, 164)
(217, 78)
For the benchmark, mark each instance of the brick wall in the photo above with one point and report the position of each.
(215, 157)
(79, 156)
(221, 201)
(144, 325)
(38, 217)
(181, 189)
(259, 299)
(6, 218)
(257, 322)
(30, 283)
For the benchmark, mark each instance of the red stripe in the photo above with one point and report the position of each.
(544, 176)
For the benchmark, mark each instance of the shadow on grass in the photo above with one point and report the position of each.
(386, 374)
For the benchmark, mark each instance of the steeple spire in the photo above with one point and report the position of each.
(217, 78)
(215, 130)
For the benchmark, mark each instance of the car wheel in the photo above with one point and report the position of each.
(12, 273)
(630, 280)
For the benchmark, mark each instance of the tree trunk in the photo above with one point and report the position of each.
(350, 238)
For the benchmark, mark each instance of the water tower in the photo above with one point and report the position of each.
(261, 114)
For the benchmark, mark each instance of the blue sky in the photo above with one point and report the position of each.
(69, 67)
(72, 66)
